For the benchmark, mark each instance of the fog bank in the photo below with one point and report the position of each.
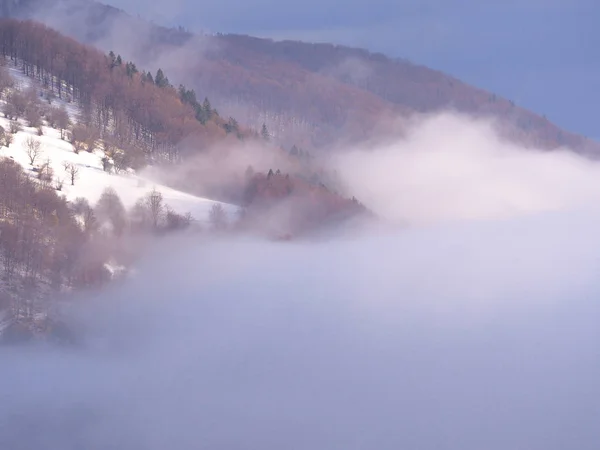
(470, 336)
(453, 167)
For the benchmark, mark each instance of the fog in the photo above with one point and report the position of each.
(473, 328)
(479, 335)
(450, 167)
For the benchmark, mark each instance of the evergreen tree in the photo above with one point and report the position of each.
(207, 107)
(187, 96)
(112, 59)
(265, 133)
(204, 112)
(200, 116)
(231, 125)
(160, 80)
(130, 69)
(294, 150)
(270, 174)
(119, 60)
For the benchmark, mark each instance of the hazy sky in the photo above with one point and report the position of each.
(540, 53)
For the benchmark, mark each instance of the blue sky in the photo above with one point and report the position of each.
(543, 54)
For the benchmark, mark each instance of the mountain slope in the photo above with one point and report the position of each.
(92, 178)
(309, 94)
(129, 120)
(69, 219)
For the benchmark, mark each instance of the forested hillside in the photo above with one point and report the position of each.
(312, 95)
(125, 105)
(138, 118)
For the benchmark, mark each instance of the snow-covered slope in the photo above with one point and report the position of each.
(92, 179)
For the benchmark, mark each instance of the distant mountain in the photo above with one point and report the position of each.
(312, 95)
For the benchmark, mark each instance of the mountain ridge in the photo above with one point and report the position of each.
(314, 95)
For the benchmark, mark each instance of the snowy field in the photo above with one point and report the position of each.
(92, 179)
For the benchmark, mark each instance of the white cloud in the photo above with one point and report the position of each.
(450, 167)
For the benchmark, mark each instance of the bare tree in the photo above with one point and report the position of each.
(106, 164)
(83, 138)
(6, 80)
(5, 137)
(15, 127)
(176, 221)
(7, 140)
(46, 174)
(33, 148)
(16, 105)
(121, 161)
(72, 170)
(9, 244)
(139, 215)
(92, 137)
(108, 146)
(217, 217)
(110, 209)
(50, 97)
(156, 207)
(78, 146)
(33, 116)
(82, 208)
(59, 118)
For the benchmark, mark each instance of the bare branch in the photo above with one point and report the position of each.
(33, 148)
(72, 170)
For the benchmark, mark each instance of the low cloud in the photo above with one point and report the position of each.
(133, 36)
(476, 335)
(450, 167)
(352, 69)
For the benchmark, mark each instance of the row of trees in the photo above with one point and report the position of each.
(149, 214)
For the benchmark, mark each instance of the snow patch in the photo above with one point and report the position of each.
(91, 179)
